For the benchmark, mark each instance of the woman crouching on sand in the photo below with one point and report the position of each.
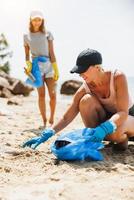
(103, 102)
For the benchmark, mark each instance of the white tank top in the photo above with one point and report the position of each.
(109, 103)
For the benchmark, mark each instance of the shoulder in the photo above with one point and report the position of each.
(119, 78)
(26, 39)
(119, 75)
(49, 35)
(26, 35)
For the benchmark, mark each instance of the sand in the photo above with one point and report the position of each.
(27, 174)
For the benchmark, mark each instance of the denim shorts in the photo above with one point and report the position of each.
(46, 69)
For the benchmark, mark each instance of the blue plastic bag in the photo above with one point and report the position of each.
(36, 72)
(75, 145)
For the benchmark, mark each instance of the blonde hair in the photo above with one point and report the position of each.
(41, 28)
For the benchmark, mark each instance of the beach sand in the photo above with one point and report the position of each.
(27, 174)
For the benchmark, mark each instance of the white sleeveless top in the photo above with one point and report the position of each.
(108, 103)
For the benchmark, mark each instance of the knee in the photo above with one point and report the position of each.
(88, 101)
(42, 96)
(53, 96)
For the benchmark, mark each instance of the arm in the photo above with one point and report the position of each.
(27, 58)
(69, 115)
(53, 60)
(51, 51)
(27, 52)
(122, 96)
(71, 112)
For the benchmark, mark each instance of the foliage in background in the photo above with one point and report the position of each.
(5, 54)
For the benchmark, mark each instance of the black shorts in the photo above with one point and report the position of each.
(131, 111)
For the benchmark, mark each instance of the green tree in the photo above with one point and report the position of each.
(5, 54)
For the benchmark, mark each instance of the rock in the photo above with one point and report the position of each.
(14, 101)
(5, 93)
(70, 87)
(4, 83)
(10, 79)
(19, 87)
(7, 169)
(8, 144)
(10, 86)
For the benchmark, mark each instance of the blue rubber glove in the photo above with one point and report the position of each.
(45, 135)
(100, 132)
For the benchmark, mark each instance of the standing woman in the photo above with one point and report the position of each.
(39, 42)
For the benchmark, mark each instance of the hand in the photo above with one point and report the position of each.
(100, 132)
(56, 71)
(87, 132)
(45, 135)
(29, 67)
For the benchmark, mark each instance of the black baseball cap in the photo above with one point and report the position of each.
(85, 59)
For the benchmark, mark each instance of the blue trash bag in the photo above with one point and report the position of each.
(75, 145)
(36, 72)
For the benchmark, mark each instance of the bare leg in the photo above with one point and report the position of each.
(122, 134)
(118, 136)
(129, 124)
(124, 131)
(50, 82)
(41, 103)
(93, 114)
(91, 111)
